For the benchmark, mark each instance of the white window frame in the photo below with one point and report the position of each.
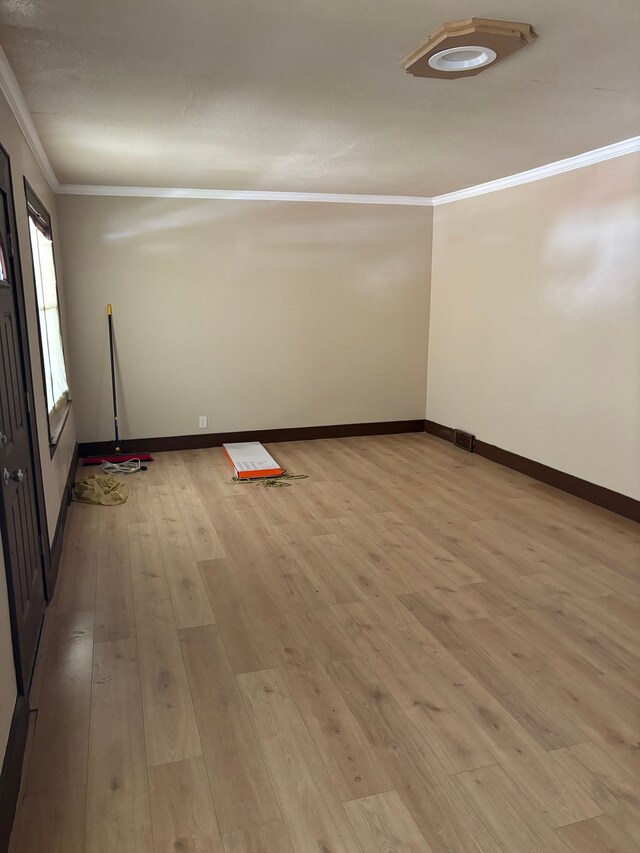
(56, 390)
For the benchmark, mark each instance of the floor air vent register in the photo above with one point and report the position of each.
(464, 440)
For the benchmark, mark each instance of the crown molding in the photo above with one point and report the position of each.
(10, 88)
(243, 195)
(598, 155)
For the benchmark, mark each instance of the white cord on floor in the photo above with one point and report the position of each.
(129, 467)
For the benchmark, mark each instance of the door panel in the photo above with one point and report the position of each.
(18, 497)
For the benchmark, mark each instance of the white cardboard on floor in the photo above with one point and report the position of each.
(249, 459)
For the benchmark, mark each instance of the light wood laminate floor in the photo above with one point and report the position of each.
(414, 649)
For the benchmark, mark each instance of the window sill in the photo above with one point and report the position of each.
(55, 439)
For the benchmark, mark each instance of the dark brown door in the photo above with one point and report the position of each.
(18, 514)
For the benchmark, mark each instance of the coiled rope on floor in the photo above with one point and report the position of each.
(273, 482)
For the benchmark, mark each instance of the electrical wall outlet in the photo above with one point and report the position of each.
(203, 420)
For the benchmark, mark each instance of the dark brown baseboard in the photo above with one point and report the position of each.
(58, 537)
(599, 495)
(215, 439)
(12, 769)
(439, 430)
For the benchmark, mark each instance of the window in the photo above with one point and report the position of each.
(49, 326)
(4, 267)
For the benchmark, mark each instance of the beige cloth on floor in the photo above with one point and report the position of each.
(100, 489)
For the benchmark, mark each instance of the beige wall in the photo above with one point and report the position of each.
(255, 314)
(535, 321)
(23, 163)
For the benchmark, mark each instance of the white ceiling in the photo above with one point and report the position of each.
(309, 96)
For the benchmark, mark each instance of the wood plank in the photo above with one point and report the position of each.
(347, 756)
(454, 742)
(299, 590)
(59, 754)
(382, 823)
(594, 646)
(53, 821)
(332, 585)
(577, 683)
(491, 723)
(328, 638)
(190, 603)
(462, 603)
(395, 654)
(388, 608)
(270, 838)
(205, 543)
(314, 818)
(613, 616)
(114, 602)
(551, 791)
(504, 808)
(222, 513)
(182, 812)
(345, 566)
(183, 485)
(114, 594)
(118, 817)
(166, 510)
(608, 781)
(265, 556)
(257, 571)
(442, 814)
(171, 731)
(242, 635)
(242, 791)
(598, 835)
(139, 509)
(481, 649)
(148, 577)
(76, 588)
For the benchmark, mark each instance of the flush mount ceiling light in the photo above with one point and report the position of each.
(462, 58)
(465, 48)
